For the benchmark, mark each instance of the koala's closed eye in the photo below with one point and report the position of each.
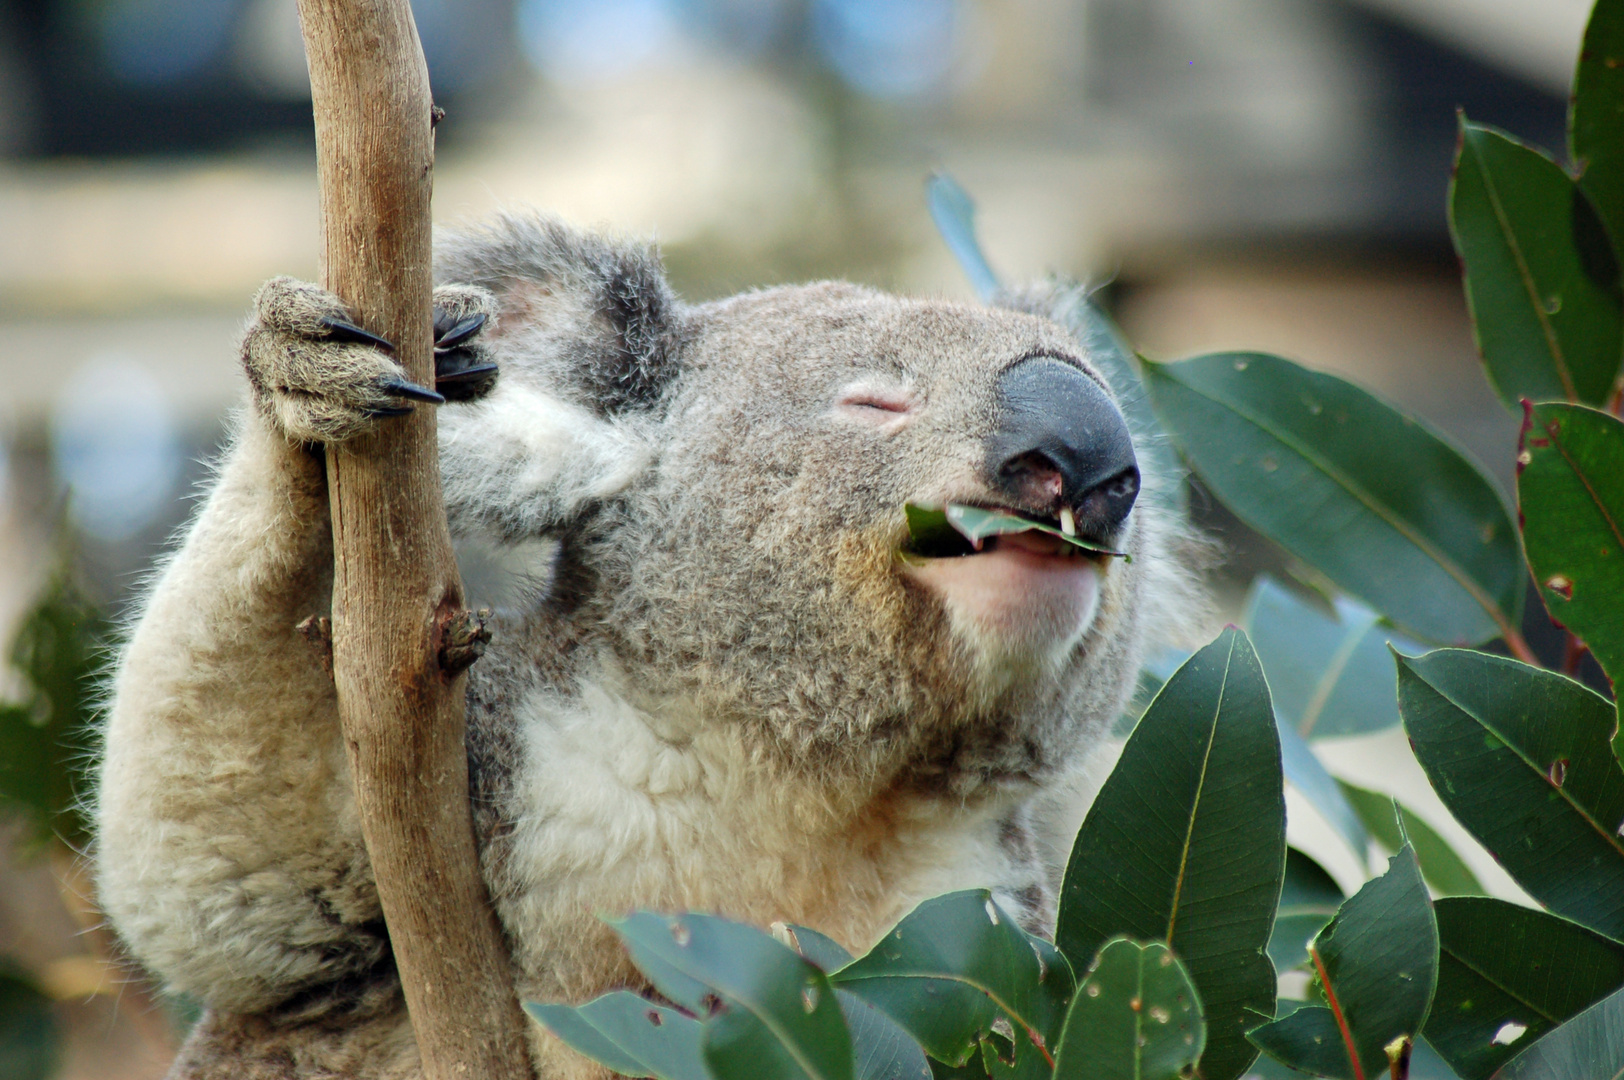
(874, 403)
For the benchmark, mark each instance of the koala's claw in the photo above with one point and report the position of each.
(448, 335)
(463, 367)
(383, 411)
(402, 388)
(339, 330)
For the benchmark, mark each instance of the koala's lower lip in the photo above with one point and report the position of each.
(1015, 590)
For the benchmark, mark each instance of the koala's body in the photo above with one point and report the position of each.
(729, 694)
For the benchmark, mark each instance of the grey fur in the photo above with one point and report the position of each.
(730, 696)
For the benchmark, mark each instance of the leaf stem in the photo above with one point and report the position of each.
(1336, 1011)
(1520, 648)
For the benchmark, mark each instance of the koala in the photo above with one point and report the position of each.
(733, 689)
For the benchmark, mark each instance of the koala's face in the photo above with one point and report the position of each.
(757, 563)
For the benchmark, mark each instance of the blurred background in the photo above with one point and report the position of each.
(1265, 174)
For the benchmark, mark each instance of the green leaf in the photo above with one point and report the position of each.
(1373, 499)
(953, 967)
(1521, 758)
(1136, 1016)
(1329, 670)
(1377, 963)
(630, 1035)
(928, 527)
(1307, 774)
(884, 1049)
(1541, 276)
(780, 1015)
(1597, 112)
(1444, 870)
(1588, 1047)
(1308, 901)
(47, 739)
(954, 213)
(821, 949)
(1186, 840)
(1570, 497)
(1507, 975)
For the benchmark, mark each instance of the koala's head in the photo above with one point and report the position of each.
(728, 481)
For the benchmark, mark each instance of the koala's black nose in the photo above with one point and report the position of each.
(1060, 441)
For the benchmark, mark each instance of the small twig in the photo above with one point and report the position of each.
(463, 639)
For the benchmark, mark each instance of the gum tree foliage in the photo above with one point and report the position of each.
(1174, 929)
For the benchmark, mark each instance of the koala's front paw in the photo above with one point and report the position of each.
(318, 376)
(464, 369)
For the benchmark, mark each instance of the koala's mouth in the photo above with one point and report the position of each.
(959, 530)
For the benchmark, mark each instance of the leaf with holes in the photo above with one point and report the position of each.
(958, 968)
(1136, 1016)
(1329, 670)
(1541, 277)
(1507, 975)
(1521, 758)
(1186, 843)
(1377, 962)
(1593, 116)
(1444, 870)
(1373, 499)
(778, 1016)
(1570, 498)
(1588, 1047)
(1308, 901)
(630, 1035)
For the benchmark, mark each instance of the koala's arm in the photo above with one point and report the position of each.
(229, 855)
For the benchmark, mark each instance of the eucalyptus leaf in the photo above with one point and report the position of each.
(1329, 670)
(1521, 758)
(47, 737)
(1377, 963)
(779, 1010)
(1507, 975)
(1393, 824)
(1588, 1047)
(1373, 499)
(884, 1049)
(1308, 901)
(956, 967)
(954, 213)
(1542, 281)
(630, 1035)
(1136, 1016)
(1596, 112)
(1570, 498)
(927, 525)
(1185, 843)
(1307, 774)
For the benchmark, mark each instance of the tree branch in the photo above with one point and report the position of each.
(395, 585)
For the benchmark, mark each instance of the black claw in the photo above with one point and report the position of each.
(339, 330)
(459, 333)
(462, 375)
(402, 388)
(388, 410)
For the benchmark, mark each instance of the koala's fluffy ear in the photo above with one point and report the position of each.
(578, 312)
(588, 338)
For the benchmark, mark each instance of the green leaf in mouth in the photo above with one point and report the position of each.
(932, 528)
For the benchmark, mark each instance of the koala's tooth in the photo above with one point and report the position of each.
(1068, 524)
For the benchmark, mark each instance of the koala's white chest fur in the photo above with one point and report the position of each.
(618, 807)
